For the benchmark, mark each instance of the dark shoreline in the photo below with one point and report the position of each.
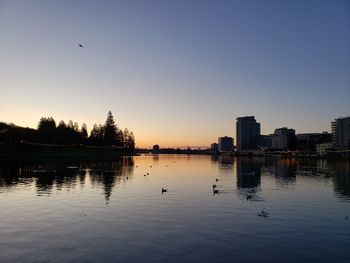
(20, 151)
(29, 151)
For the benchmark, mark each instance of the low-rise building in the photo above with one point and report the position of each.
(225, 144)
(283, 138)
(321, 148)
(214, 147)
(265, 142)
(307, 141)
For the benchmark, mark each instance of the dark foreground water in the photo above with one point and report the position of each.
(108, 211)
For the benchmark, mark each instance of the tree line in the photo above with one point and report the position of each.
(69, 133)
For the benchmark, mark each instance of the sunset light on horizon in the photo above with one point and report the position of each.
(176, 73)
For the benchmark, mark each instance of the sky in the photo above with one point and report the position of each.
(176, 73)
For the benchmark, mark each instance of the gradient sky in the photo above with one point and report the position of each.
(176, 73)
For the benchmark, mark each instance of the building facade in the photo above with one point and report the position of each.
(214, 147)
(321, 149)
(265, 142)
(225, 144)
(247, 132)
(307, 141)
(341, 133)
(282, 138)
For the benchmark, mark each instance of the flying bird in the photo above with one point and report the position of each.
(80, 45)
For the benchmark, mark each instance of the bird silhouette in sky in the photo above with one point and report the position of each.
(80, 45)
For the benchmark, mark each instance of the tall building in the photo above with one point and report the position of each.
(225, 144)
(341, 132)
(247, 132)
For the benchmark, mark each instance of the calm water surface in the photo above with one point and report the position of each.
(93, 211)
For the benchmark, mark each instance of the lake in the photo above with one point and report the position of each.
(266, 210)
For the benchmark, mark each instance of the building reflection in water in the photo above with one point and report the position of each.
(285, 171)
(225, 165)
(226, 160)
(248, 177)
(50, 175)
(341, 179)
(335, 172)
(214, 158)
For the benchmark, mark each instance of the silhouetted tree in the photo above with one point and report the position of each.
(94, 132)
(76, 126)
(13, 133)
(125, 136)
(46, 124)
(120, 140)
(111, 130)
(62, 125)
(131, 141)
(47, 129)
(84, 132)
(97, 135)
(128, 138)
(66, 134)
(70, 125)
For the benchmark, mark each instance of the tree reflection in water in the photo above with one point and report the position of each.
(52, 175)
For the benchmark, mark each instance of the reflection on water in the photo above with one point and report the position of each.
(341, 178)
(249, 178)
(47, 175)
(59, 175)
(66, 205)
(248, 172)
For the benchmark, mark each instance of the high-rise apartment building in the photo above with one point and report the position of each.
(341, 132)
(247, 132)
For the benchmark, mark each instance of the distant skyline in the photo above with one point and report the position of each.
(176, 73)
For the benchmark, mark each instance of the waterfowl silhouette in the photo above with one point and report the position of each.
(80, 45)
(215, 191)
(263, 213)
(216, 180)
(164, 190)
(214, 186)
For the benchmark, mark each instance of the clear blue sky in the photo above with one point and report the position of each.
(176, 72)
